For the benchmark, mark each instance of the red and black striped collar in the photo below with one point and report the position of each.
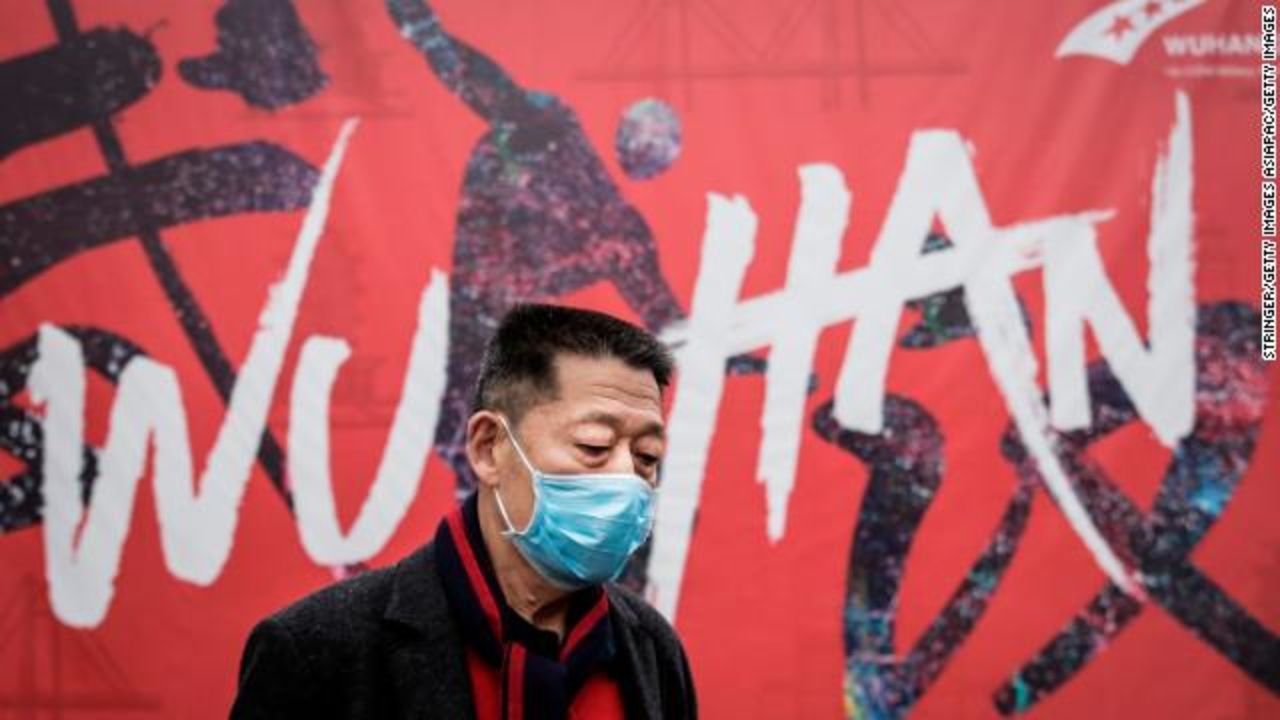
(534, 663)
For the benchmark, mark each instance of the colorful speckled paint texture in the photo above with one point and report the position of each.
(82, 82)
(905, 467)
(540, 216)
(648, 138)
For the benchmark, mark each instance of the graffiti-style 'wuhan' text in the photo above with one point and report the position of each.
(937, 182)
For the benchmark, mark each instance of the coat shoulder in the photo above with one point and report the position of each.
(335, 607)
(352, 614)
(671, 688)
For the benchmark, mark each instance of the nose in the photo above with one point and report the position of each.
(624, 462)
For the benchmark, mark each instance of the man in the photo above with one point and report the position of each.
(509, 612)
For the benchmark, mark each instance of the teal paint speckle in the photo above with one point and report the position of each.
(1021, 695)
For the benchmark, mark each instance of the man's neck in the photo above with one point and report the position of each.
(527, 593)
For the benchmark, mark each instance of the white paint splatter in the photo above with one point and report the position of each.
(938, 181)
(727, 246)
(196, 526)
(815, 251)
(404, 457)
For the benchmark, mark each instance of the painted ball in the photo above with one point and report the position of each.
(648, 138)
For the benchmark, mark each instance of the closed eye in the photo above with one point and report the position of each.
(593, 449)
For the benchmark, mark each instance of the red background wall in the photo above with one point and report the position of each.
(761, 621)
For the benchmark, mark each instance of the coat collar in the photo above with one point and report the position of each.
(638, 669)
(427, 658)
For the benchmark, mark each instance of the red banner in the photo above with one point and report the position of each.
(971, 419)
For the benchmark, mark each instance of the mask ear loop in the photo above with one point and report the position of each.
(502, 510)
(516, 444)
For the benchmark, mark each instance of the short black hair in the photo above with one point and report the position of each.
(518, 370)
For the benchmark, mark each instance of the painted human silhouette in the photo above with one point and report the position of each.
(905, 470)
(540, 216)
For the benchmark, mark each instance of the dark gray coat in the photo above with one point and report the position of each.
(383, 645)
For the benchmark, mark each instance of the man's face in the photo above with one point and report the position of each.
(607, 419)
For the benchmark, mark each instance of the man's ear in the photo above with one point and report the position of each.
(483, 433)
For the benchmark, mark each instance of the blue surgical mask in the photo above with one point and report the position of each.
(584, 526)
